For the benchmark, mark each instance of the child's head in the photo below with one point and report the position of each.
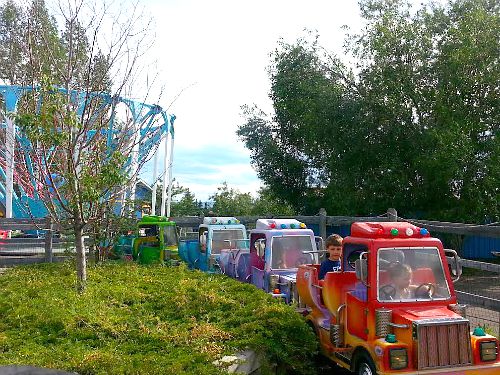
(333, 245)
(400, 275)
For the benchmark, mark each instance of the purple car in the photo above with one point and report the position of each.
(277, 248)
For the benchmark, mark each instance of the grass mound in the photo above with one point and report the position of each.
(144, 320)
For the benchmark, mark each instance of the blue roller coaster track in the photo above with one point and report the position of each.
(151, 121)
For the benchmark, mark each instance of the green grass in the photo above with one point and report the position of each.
(143, 320)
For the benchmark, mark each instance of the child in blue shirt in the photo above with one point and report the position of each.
(333, 245)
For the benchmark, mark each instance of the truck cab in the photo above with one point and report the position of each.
(277, 248)
(214, 235)
(156, 240)
(392, 308)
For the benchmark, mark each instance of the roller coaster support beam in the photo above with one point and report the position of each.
(155, 183)
(170, 161)
(10, 138)
(165, 179)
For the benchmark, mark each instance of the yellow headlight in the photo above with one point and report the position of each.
(398, 358)
(488, 350)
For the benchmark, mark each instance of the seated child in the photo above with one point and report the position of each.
(399, 287)
(333, 245)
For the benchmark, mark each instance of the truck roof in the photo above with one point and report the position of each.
(225, 220)
(387, 230)
(270, 224)
(155, 220)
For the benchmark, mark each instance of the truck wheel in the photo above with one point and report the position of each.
(365, 365)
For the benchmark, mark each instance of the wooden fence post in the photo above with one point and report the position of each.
(48, 240)
(322, 223)
(392, 214)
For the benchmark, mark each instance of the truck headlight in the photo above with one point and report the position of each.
(488, 350)
(398, 358)
(273, 282)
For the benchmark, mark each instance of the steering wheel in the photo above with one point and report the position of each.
(389, 291)
(431, 289)
(300, 261)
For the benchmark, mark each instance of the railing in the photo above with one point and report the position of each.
(481, 293)
(44, 247)
(9, 250)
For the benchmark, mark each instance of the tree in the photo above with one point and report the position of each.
(79, 170)
(299, 152)
(267, 204)
(231, 202)
(415, 128)
(11, 26)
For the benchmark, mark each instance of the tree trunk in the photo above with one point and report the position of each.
(81, 261)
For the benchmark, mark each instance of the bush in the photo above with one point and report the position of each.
(143, 319)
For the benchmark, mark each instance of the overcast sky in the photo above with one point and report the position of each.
(219, 50)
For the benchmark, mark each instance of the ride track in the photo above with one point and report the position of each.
(151, 121)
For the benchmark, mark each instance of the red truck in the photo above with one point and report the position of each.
(392, 308)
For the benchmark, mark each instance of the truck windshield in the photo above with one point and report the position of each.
(410, 274)
(288, 251)
(170, 235)
(219, 238)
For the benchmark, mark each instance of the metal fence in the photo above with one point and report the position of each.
(39, 243)
(479, 289)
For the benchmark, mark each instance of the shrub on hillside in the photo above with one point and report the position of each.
(143, 319)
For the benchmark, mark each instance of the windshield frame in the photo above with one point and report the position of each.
(311, 255)
(411, 300)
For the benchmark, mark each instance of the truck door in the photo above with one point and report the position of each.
(257, 258)
(356, 260)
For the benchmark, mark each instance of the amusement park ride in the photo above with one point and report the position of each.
(19, 192)
(365, 319)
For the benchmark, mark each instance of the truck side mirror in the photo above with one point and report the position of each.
(361, 268)
(454, 264)
(320, 243)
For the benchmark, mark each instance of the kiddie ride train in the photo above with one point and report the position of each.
(367, 325)
(156, 240)
(277, 248)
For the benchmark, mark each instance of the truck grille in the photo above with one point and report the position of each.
(442, 343)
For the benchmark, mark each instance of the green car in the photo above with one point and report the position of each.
(156, 240)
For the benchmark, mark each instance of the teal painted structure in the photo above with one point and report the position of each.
(155, 122)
